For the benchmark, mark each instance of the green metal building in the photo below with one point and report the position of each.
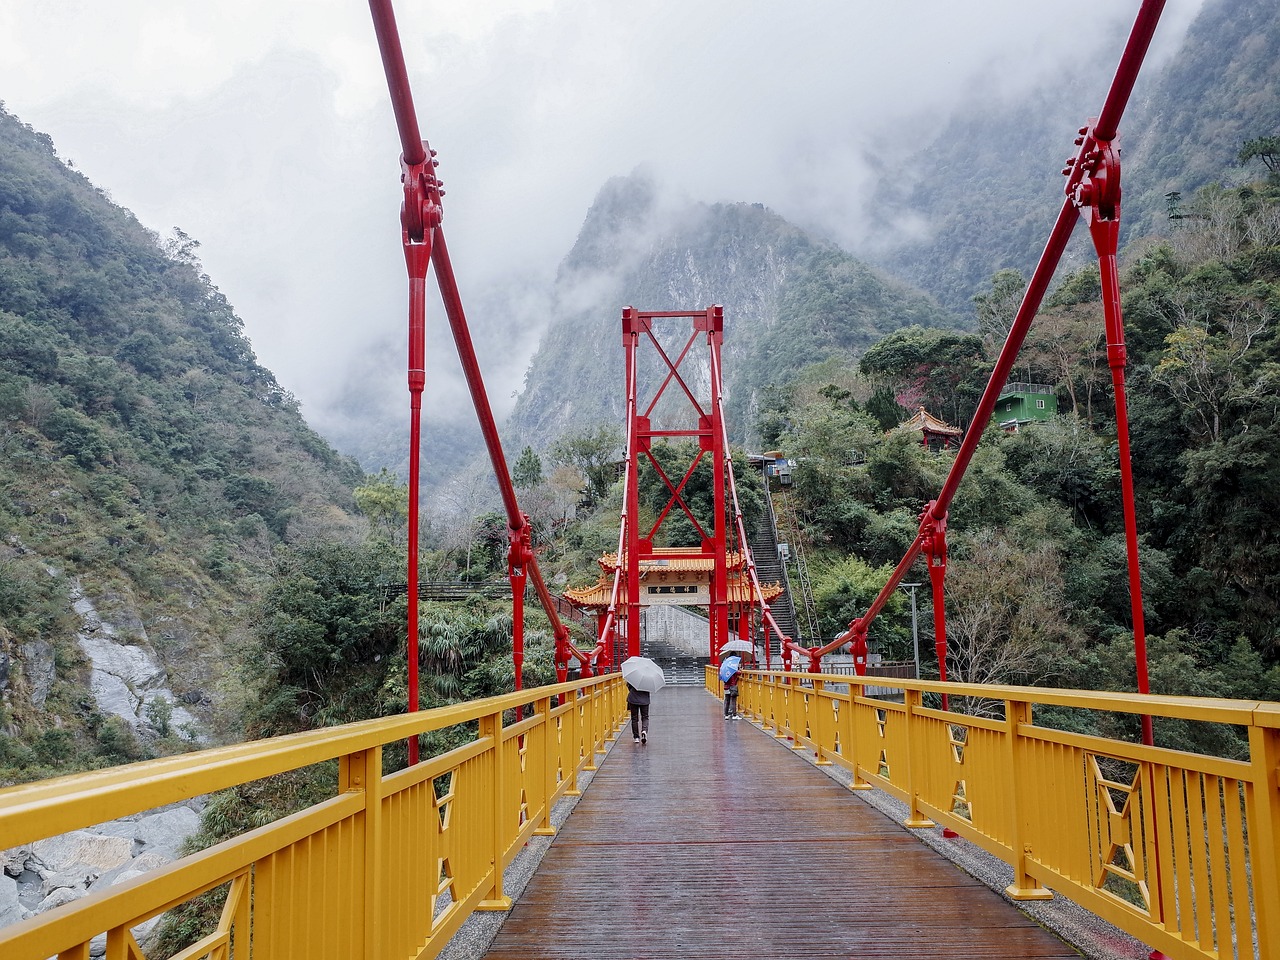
(1023, 403)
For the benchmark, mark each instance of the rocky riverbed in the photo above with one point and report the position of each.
(48, 873)
(128, 681)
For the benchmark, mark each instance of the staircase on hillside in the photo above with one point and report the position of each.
(787, 521)
(770, 567)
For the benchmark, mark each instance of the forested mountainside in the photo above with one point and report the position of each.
(1035, 586)
(988, 185)
(790, 300)
(1220, 91)
(149, 468)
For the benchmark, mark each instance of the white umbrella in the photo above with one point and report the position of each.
(643, 674)
(744, 646)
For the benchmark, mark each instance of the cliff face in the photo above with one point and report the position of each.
(790, 300)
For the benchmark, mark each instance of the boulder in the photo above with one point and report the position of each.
(58, 897)
(75, 860)
(165, 832)
(14, 860)
(10, 908)
(134, 868)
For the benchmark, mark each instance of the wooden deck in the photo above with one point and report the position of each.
(713, 841)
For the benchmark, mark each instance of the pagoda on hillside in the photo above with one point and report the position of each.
(936, 434)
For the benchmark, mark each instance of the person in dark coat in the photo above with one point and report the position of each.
(731, 698)
(638, 703)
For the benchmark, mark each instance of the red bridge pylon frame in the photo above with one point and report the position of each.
(734, 591)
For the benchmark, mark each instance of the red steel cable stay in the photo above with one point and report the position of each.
(424, 245)
(1093, 188)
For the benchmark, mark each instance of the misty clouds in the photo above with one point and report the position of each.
(265, 132)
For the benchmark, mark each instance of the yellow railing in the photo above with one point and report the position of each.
(390, 866)
(1180, 850)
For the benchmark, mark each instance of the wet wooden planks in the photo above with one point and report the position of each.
(712, 842)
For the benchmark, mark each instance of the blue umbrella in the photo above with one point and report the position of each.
(729, 667)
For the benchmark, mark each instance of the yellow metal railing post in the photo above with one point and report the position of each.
(571, 741)
(913, 700)
(585, 717)
(239, 920)
(491, 728)
(802, 699)
(764, 701)
(783, 728)
(822, 723)
(362, 773)
(770, 706)
(119, 941)
(1024, 887)
(602, 696)
(1264, 756)
(611, 713)
(849, 744)
(543, 732)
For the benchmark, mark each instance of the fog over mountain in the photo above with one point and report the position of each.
(265, 133)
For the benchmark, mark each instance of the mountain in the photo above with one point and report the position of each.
(979, 196)
(150, 469)
(790, 300)
(989, 184)
(1222, 89)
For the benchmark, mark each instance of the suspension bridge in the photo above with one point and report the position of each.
(713, 839)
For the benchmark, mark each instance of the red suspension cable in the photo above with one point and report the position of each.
(424, 244)
(1087, 189)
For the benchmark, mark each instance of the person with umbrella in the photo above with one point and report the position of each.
(638, 704)
(644, 678)
(729, 670)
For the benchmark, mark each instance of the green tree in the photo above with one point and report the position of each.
(595, 453)
(844, 590)
(385, 501)
(325, 630)
(527, 471)
(1006, 620)
(885, 408)
(942, 370)
(1065, 346)
(1266, 149)
(1205, 371)
(997, 308)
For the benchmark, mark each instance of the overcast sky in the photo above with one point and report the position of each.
(263, 129)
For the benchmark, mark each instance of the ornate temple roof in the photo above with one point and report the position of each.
(676, 560)
(925, 422)
(597, 594)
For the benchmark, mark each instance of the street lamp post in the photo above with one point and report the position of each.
(915, 634)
